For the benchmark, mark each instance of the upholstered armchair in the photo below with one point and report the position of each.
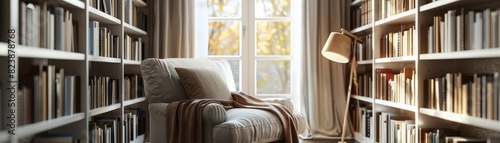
(163, 86)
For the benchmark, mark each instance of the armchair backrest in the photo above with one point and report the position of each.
(162, 83)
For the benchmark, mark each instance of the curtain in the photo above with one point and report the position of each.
(324, 92)
(175, 28)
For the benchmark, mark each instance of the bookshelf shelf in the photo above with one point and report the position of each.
(365, 28)
(31, 129)
(35, 52)
(75, 4)
(357, 2)
(437, 4)
(129, 29)
(464, 119)
(139, 3)
(396, 105)
(362, 98)
(104, 59)
(3, 49)
(404, 17)
(365, 62)
(396, 59)
(134, 101)
(104, 109)
(470, 54)
(102, 17)
(131, 62)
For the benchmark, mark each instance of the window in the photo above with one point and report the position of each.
(255, 36)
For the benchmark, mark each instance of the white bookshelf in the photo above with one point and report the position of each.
(79, 63)
(32, 129)
(463, 119)
(425, 65)
(139, 139)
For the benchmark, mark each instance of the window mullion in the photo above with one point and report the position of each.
(251, 49)
(245, 71)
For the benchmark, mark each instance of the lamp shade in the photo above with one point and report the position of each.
(337, 48)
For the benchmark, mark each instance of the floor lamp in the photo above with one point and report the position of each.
(338, 49)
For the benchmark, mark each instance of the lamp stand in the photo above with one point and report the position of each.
(352, 78)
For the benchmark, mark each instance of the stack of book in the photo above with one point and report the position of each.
(134, 123)
(110, 7)
(49, 94)
(133, 48)
(399, 88)
(477, 95)
(389, 8)
(104, 130)
(102, 42)
(464, 30)
(135, 16)
(104, 91)
(394, 128)
(397, 44)
(133, 87)
(365, 49)
(362, 15)
(47, 27)
(430, 135)
(365, 83)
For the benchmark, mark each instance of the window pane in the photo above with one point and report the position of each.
(273, 38)
(224, 38)
(235, 67)
(272, 8)
(223, 8)
(273, 76)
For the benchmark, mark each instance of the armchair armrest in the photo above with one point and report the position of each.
(287, 102)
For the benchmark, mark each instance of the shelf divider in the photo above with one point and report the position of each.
(463, 119)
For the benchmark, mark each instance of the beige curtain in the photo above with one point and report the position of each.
(324, 93)
(172, 27)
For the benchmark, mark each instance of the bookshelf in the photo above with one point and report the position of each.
(481, 60)
(77, 62)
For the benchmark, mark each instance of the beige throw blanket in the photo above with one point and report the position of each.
(185, 123)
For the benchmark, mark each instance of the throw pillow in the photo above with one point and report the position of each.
(204, 83)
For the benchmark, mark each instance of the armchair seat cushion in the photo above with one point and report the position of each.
(251, 125)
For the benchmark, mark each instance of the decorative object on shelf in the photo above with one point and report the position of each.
(338, 49)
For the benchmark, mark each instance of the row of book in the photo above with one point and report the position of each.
(110, 129)
(477, 95)
(389, 8)
(362, 15)
(133, 48)
(49, 27)
(102, 42)
(395, 128)
(365, 49)
(104, 91)
(430, 135)
(396, 87)
(464, 30)
(364, 87)
(110, 7)
(398, 44)
(133, 87)
(135, 16)
(50, 93)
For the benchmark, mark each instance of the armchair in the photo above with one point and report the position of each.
(163, 86)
